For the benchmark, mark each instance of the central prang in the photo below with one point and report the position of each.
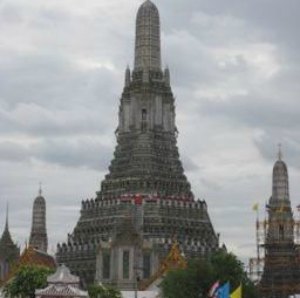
(145, 203)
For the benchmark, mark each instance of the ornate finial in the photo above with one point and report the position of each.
(279, 151)
(40, 189)
(127, 76)
(6, 222)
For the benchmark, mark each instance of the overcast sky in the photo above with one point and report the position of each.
(235, 74)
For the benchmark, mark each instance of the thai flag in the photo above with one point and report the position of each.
(213, 290)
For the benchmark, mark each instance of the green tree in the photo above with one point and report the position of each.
(192, 282)
(196, 280)
(100, 291)
(26, 281)
(227, 267)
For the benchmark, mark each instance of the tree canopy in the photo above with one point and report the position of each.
(196, 280)
(100, 291)
(26, 281)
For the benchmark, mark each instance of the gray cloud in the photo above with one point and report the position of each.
(10, 151)
(84, 152)
(188, 164)
(35, 120)
(234, 71)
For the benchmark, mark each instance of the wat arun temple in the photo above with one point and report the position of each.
(145, 203)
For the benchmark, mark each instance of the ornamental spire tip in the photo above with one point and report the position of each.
(6, 221)
(40, 189)
(279, 151)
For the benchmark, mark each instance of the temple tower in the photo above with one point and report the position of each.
(145, 181)
(281, 274)
(38, 236)
(146, 158)
(9, 251)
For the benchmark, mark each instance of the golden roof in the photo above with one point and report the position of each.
(31, 257)
(174, 260)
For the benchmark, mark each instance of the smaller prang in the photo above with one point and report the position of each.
(38, 236)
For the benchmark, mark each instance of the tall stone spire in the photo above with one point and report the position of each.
(281, 274)
(279, 203)
(147, 40)
(280, 188)
(38, 236)
(145, 179)
(146, 159)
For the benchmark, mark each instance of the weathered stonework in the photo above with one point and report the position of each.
(38, 236)
(146, 165)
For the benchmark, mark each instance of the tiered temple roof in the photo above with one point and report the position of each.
(7, 246)
(30, 257)
(9, 251)
(62, 284)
